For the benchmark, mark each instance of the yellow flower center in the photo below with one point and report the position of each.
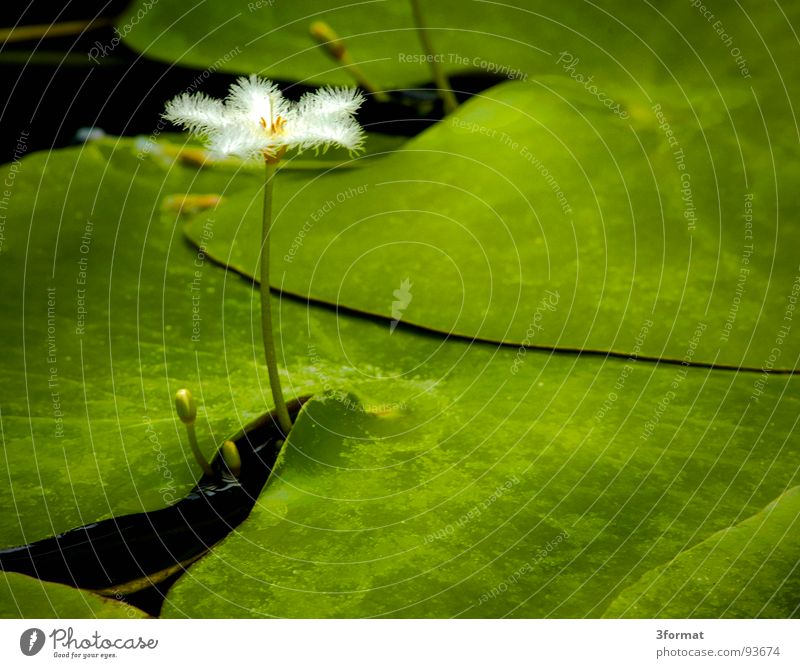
(275, 127)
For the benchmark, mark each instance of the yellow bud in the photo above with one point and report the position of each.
(231, 457)
(184, 404)
(328, 39)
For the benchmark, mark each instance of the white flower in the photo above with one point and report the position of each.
(255, 121)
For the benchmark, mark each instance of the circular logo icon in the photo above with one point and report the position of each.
(31, 641)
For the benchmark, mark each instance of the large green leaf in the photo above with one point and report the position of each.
(92, 310)
(102, 325)
(23, 596)
(749, 570)
(613, 39)
(635, 463)
(486, 493)
(535, 216)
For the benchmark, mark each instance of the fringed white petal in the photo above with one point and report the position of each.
(330, 102)
(239, 139)
(313, 132)
(257, 98)
(325, 118)
(196, 113)
(256, 120)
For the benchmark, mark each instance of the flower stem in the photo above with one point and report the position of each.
(198, 455)
(442, 83)
(335, 47)
(187, 412)
(284, 421)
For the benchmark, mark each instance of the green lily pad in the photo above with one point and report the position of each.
(490, 494)
(22, 596)
(613, 39)
(104, 325)
(733, 573)
(630, 466)
(536, 217)
(86, 407)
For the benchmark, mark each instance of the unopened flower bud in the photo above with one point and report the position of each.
(184, 404)
(231, 457)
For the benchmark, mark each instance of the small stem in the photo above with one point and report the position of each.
(187, 412)
(284, 421)
(45, 30)
(199, 458)
(361, 79)
(442, 83)
(335, 47)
